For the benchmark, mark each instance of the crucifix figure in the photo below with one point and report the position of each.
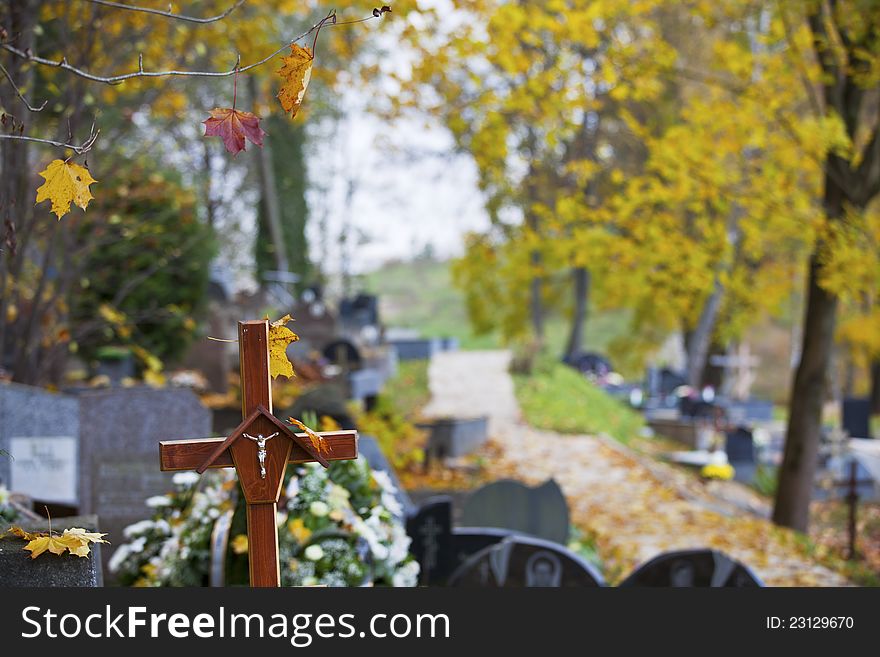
(260, 465)
(260, 439)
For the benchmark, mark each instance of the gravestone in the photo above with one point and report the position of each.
(696, 434)
(325, 399)
(857, 417)
(740, 448)
(693, 568)
(17, 569)
(314, 324)
(40, 430)
(119, 433)
(342, 352)
(431, 532)
(358, 312)
(522, 561)
(750, 410)
(540, 511)
(454, 437)
(369, 448)
(364, 385)
(416, 348)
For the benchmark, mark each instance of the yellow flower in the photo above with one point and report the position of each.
(717, 471)
(240, 544)
(298, 530)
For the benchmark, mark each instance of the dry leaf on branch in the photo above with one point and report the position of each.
(65, 182)
(280, 338)
(232, 126)
(296, 71)
(317, 442)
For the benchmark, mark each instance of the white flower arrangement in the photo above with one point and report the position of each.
(337, 527)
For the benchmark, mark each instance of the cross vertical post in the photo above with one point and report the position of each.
(256, 390)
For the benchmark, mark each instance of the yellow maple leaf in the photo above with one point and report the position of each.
(54, 544)
(79, 540)
(296, 70)
(280, 338)
(75, 539)
(65, 182)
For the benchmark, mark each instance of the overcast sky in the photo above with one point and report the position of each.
(409, 190)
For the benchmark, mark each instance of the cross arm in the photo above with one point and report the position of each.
(177, 455)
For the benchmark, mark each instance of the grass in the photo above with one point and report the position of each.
(409, 388)
(557, 398)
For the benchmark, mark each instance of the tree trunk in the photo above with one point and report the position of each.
(792, 505)
(269, 195)
(536, 303)
(581, 280)
(700, 338)
(875, 387)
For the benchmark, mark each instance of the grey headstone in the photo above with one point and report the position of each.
(522, 561)
(508, 504)
(120, 430)
(416, 348)
(364, 383)
(39, 430)
(369, 448)
(17, 569)
(693, 568)
(453, 437)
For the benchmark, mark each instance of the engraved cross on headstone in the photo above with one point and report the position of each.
(261, 460)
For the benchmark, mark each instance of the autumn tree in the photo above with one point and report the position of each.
(83, 77)
(845, 43)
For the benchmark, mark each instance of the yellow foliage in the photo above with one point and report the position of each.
(280, 338)
(65, 182)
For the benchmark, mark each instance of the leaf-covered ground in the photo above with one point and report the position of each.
(630, 507)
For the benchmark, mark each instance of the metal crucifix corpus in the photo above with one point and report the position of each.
(260, 464)
(260, 439)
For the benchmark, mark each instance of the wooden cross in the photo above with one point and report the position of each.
(852, 484)
(259, 449)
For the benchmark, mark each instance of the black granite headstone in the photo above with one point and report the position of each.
(857, 417)
(431, 532)
(541, 511)
(740, 446)
(693, 568)
(521, 561)
(17, 569)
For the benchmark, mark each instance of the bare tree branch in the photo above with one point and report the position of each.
(63, 64)
(20, 95)
(168, 14)
(80, 149)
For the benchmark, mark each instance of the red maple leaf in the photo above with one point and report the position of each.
(233, 126)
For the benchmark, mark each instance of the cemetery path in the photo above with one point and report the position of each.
(632, 510)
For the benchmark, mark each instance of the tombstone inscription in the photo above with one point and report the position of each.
(523, 561)
(260, 471)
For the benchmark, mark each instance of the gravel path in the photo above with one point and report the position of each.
(631, 508)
